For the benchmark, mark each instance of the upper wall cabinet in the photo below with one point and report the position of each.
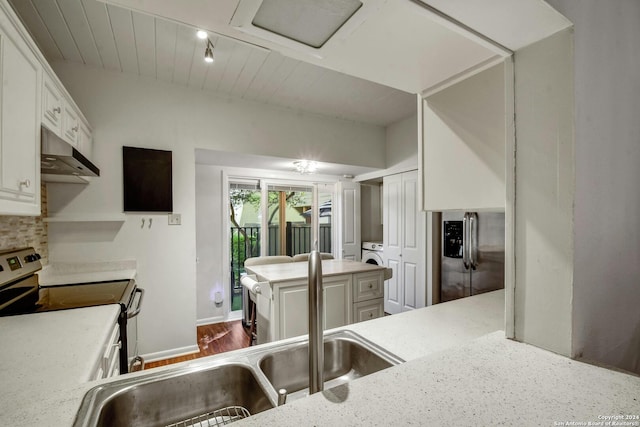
(31, 96)
(70, 124)
(52, 103)
(19, 123)
(464, 135)
(61, 116)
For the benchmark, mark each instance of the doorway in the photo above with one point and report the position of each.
(275, 219)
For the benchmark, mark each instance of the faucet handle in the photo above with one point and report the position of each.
(282, 396)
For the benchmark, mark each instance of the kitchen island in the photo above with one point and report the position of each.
(353, 292)
(460, 370)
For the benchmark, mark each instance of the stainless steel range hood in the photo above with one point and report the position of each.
(60, 162)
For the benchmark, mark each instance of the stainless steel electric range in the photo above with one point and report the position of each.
(20, 294)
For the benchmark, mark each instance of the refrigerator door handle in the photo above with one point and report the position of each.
(473, 240)
(465, 241)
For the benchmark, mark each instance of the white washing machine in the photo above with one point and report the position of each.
(372, 253)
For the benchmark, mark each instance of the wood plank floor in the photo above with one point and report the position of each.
(212, 339)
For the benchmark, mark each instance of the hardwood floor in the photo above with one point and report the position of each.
(212, 339)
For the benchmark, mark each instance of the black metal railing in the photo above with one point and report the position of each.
(245, 243)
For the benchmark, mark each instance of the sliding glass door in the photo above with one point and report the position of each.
(289, 219)
(268, 218)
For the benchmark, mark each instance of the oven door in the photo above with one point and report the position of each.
(133, 309)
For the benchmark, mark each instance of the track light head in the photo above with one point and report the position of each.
(208, 52)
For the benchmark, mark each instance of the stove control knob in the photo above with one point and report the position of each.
(30, 258)
(37, 255)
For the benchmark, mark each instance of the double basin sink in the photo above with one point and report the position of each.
(228, 388)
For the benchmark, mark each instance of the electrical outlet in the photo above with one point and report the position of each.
(175, 219)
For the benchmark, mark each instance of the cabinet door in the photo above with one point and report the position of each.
(85, 141)
(367, 286)
(20, 125)
(293, 306)
(368, 310)
(51, 106)
(464, 140)
(70, 124)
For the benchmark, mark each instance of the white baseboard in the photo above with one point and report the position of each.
(210, 320)
(234, 315)
(168, 354)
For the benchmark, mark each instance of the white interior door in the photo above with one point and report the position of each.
(391, 237)
(403, 241)
(349, 245)
(412, 238)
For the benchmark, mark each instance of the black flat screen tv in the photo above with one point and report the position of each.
(147, 179)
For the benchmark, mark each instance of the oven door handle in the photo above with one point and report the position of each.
(135, 312)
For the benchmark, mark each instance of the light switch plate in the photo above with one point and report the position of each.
(175, 219)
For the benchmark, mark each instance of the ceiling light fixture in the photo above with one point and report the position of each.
(305, 166)
(208, 52)
(202, 34)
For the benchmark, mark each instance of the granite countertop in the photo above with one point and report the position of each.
(44, 355)
(486, 382)
(460, 370)
(65, 273)
(300, 270)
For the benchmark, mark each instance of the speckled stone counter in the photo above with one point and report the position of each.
(44, 356)
(486, 382)
(459, 371)
(300, 270)
(65, 273)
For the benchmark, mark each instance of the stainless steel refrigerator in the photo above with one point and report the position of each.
(472, 254)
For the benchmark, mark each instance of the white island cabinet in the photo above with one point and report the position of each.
(352, 293)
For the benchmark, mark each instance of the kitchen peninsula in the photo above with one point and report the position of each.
(353, 292)
(457, 373)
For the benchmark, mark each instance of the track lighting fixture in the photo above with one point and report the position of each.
(208, 52)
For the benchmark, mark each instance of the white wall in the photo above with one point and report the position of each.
(371, 212)
(210, 245)
(606, 318)
(128, 110)
(402, 144)
(544, 193)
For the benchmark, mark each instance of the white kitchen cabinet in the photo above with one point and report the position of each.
(368, 310)
(109, 363)
(85, 141)
(51, 105)
(464, 133)
(292, 306)
(20, 123)
(404, 243)
(368, 292)
(61, 117)
(70, 124)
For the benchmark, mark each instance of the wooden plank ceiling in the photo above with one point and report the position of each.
(109, 37)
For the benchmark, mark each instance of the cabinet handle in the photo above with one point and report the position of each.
(75, 129)
(26, 183)
(370, 285)
(57, 110)
(370, 315)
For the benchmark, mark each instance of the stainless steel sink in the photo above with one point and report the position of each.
(345, 359)
(246, 381)
(173, 396)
